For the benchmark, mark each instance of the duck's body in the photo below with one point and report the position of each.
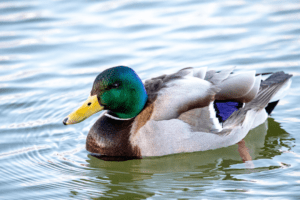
(191, 110)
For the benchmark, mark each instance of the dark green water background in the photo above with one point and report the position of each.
(51, 51)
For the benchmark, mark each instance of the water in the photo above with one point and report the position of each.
(51, 51)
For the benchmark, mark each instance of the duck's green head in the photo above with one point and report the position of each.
(118, 89)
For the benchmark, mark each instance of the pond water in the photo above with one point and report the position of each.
(51, 52)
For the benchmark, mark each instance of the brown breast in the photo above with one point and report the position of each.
(110, 137)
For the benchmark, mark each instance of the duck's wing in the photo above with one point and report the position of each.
(189, 88)
(235, 91)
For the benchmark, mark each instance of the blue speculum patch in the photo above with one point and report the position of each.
(225, 108)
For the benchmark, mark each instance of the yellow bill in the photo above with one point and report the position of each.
(88, 108)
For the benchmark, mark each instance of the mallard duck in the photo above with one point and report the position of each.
(194, 109)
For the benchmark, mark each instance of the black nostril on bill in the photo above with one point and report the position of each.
(65, 121)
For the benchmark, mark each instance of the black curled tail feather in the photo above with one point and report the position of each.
(270, 107)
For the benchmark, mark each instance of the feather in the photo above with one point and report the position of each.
(200, 72)
(236, 86)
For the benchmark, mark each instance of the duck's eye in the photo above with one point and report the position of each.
(115, 85)
(89, 103)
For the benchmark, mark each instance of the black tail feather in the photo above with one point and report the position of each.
(270, 107)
